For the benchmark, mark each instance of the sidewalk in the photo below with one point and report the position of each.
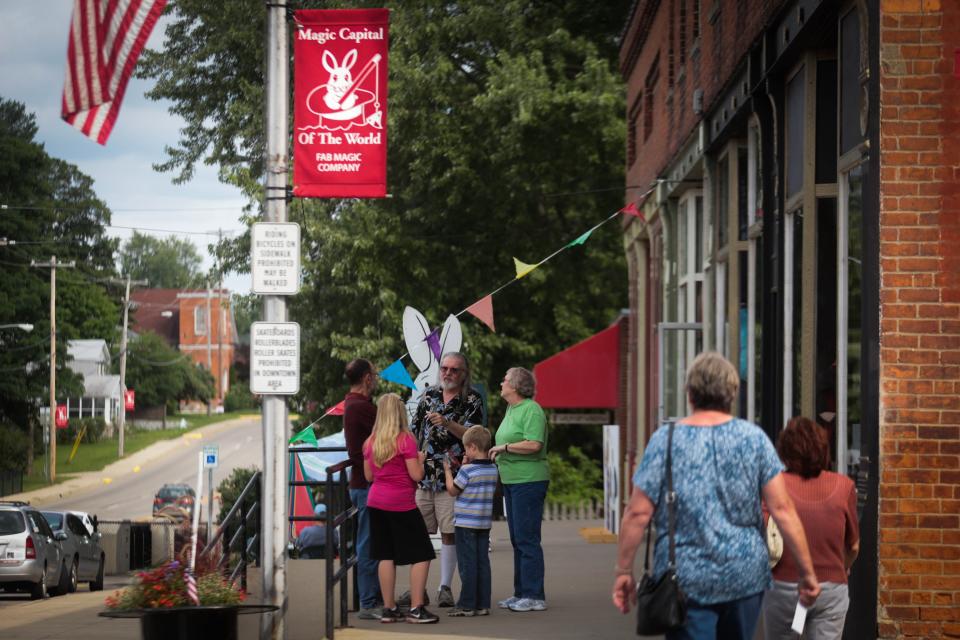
(579, 577)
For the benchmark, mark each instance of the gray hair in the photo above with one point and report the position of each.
(712, 382)
(523, 381)
(465, 388)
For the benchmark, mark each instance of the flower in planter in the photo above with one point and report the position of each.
(166, 587)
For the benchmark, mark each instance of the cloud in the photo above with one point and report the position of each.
(33, 46)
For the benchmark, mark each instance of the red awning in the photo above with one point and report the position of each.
(584, 376)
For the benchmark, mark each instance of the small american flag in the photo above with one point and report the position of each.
(192, 587)
(106, 37)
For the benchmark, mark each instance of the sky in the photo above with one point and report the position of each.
(33, 46)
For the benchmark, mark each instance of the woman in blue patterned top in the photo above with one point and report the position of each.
(722, 466)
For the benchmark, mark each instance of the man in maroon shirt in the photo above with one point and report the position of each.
(359, 414)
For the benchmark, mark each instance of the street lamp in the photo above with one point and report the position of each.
(21, 326)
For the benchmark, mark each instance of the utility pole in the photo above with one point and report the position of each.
(274, 411)
(52, 432)
(220, 323)
(209, 328)
(122, 418)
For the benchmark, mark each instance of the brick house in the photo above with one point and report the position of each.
(797, 164)
(181, 317)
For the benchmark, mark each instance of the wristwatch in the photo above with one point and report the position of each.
(506, 448)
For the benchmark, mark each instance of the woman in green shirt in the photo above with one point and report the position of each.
(521, 455)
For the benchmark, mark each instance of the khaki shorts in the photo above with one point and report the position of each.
(437, 509)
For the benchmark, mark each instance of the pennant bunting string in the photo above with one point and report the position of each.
(523, 269)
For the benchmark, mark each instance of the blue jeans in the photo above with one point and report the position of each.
(473, 563)
(368, 582)
(524, 517)
(733, 620)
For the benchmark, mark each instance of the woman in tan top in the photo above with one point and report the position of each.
(826, 503)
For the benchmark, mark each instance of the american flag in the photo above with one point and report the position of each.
(192, 587)
(106, 37)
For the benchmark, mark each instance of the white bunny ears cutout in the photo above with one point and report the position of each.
(416, 331)
(417, 335)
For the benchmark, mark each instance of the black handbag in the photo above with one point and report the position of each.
(661, 605)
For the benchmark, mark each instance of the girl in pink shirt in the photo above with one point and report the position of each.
(398, 535)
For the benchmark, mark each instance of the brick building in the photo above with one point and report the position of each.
(797, 164)
(182, 318)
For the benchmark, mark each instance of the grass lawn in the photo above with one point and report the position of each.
(96, 456)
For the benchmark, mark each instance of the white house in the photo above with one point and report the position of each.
(102, 392)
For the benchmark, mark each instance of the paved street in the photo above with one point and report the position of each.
(125, 489)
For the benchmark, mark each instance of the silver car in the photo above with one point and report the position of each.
(30, 554)
(81, 548)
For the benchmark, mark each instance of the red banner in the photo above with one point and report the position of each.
(340, 103)
(61, 416)
(129, 397)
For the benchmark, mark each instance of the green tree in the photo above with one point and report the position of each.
(506, 139)
(52, 209)
(232, 486)
(166, 263)
(161, 375)
(574, 478)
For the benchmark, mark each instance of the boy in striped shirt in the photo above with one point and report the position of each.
(473, 488)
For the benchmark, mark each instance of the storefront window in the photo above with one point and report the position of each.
(849, 343)
(795, 117)
(723, 201)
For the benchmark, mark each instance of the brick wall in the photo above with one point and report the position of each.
(713, 47)
(919, 551)
(189, 338)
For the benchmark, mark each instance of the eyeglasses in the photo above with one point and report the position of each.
(451, 369)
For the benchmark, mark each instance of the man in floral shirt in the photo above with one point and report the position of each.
(445, 412)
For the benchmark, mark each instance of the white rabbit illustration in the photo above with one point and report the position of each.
(415, 331)
(340, 80)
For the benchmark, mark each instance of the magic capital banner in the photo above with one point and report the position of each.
(340, 103)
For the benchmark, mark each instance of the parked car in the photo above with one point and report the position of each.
(81, 549)
(31, 558)
(181, 496)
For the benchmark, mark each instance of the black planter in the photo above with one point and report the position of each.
(190, 623)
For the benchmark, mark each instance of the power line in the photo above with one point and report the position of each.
(15, 207)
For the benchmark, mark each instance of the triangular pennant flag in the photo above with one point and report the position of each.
(433, 340)
(307, 435)
(335, 410)
(482, 309)
(523, 268)
(301, 501)
(398, 373)
(631, 210)
(581, 239)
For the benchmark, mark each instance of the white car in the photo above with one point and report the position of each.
(82, 553)
(31, 558)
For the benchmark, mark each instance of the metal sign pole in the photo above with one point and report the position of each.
(209, 503)
(275, 310)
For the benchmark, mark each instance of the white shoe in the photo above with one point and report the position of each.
(506, 602)
(527, 604)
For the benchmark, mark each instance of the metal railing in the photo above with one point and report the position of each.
(336, 498)
(11, 482)
(241, 514)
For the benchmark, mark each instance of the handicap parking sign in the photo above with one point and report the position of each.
(211, 457)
